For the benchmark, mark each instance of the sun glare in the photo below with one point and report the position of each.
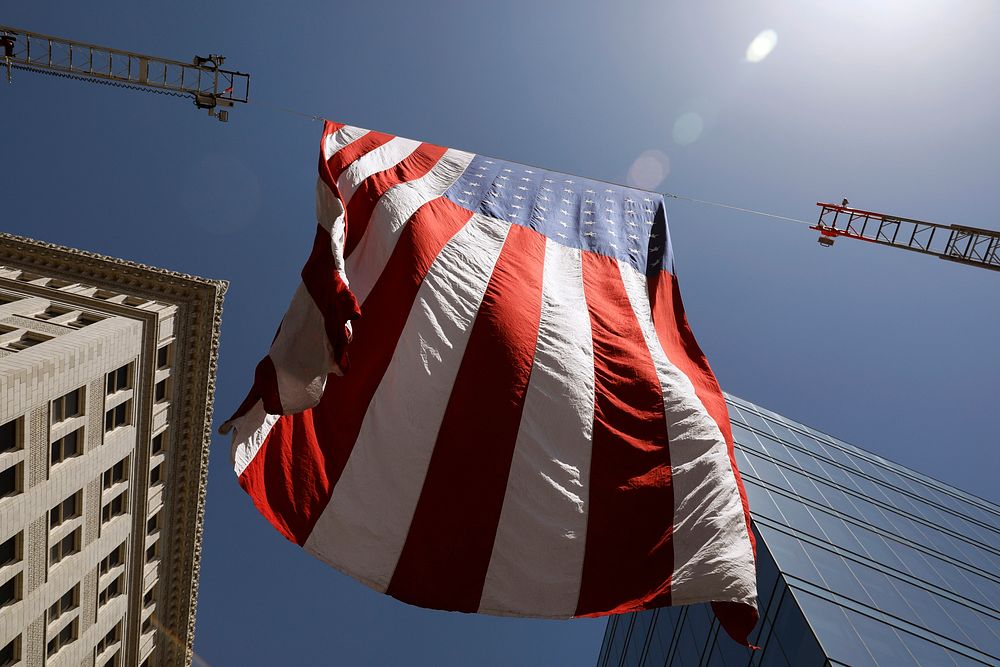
(761, 46)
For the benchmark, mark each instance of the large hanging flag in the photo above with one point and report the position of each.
(527, 426)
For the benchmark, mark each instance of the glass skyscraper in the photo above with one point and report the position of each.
(861, 561)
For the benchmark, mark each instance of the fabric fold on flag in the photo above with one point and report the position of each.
(525, 424)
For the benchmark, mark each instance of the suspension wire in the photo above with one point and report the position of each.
(738, 208)
(274, 107)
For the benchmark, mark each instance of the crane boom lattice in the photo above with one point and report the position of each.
(203, 79)
(956, 243)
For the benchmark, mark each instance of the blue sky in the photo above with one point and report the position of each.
(891, 104)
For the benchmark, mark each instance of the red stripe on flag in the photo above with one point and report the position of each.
(286, 479)
(683, 351)
(629, 555)
(343, 158)
(359, 210)
(334, 423)
(447, 552)
(331, 295)
(331, 126)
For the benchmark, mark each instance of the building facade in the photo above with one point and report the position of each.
(107, 372)
(861, 561)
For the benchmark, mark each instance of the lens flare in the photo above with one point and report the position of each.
(648, 170)
(687, 128)
(761, 46)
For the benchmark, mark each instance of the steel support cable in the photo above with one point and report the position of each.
(738, 208)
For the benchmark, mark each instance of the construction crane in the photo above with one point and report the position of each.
(956, 243)
(203, 79)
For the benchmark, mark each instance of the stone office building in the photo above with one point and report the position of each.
(107, 372)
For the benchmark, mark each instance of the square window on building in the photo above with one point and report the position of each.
(115, 474)
(64, 547)
(113, 637)
(117, 507)
(10, 436)
(66, 447)
(117, 416)
(64, 637)
(70, 600)
(153, 524)
(155, 475)
(163, 357)
(160, 391)
(118, 379)
(10, 481)
(11, 653)
(159, 440)
(84, 319)
(52, 312)
(66, 510)
(31, 339)
(112, 590)
(153, 552)
(10, 550)
(113, 661)
(26, 340)
(112, 560)
(149, 597)
(147, 625)
(10, 591)
(70, 405)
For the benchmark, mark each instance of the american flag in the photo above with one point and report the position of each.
(527, 426)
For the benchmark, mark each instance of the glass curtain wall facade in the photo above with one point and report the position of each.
(861, 561)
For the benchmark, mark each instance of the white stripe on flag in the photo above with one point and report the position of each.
(301, 353)
(712, 554)
(343, 137)
(249, 432)
(385, 156)
(537, 558)
(377, 494)
(392, 214)
(329, 208)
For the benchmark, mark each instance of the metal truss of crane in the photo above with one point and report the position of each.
(956, 243)
(203, 79)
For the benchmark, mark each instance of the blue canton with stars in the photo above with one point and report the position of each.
(612, 220)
